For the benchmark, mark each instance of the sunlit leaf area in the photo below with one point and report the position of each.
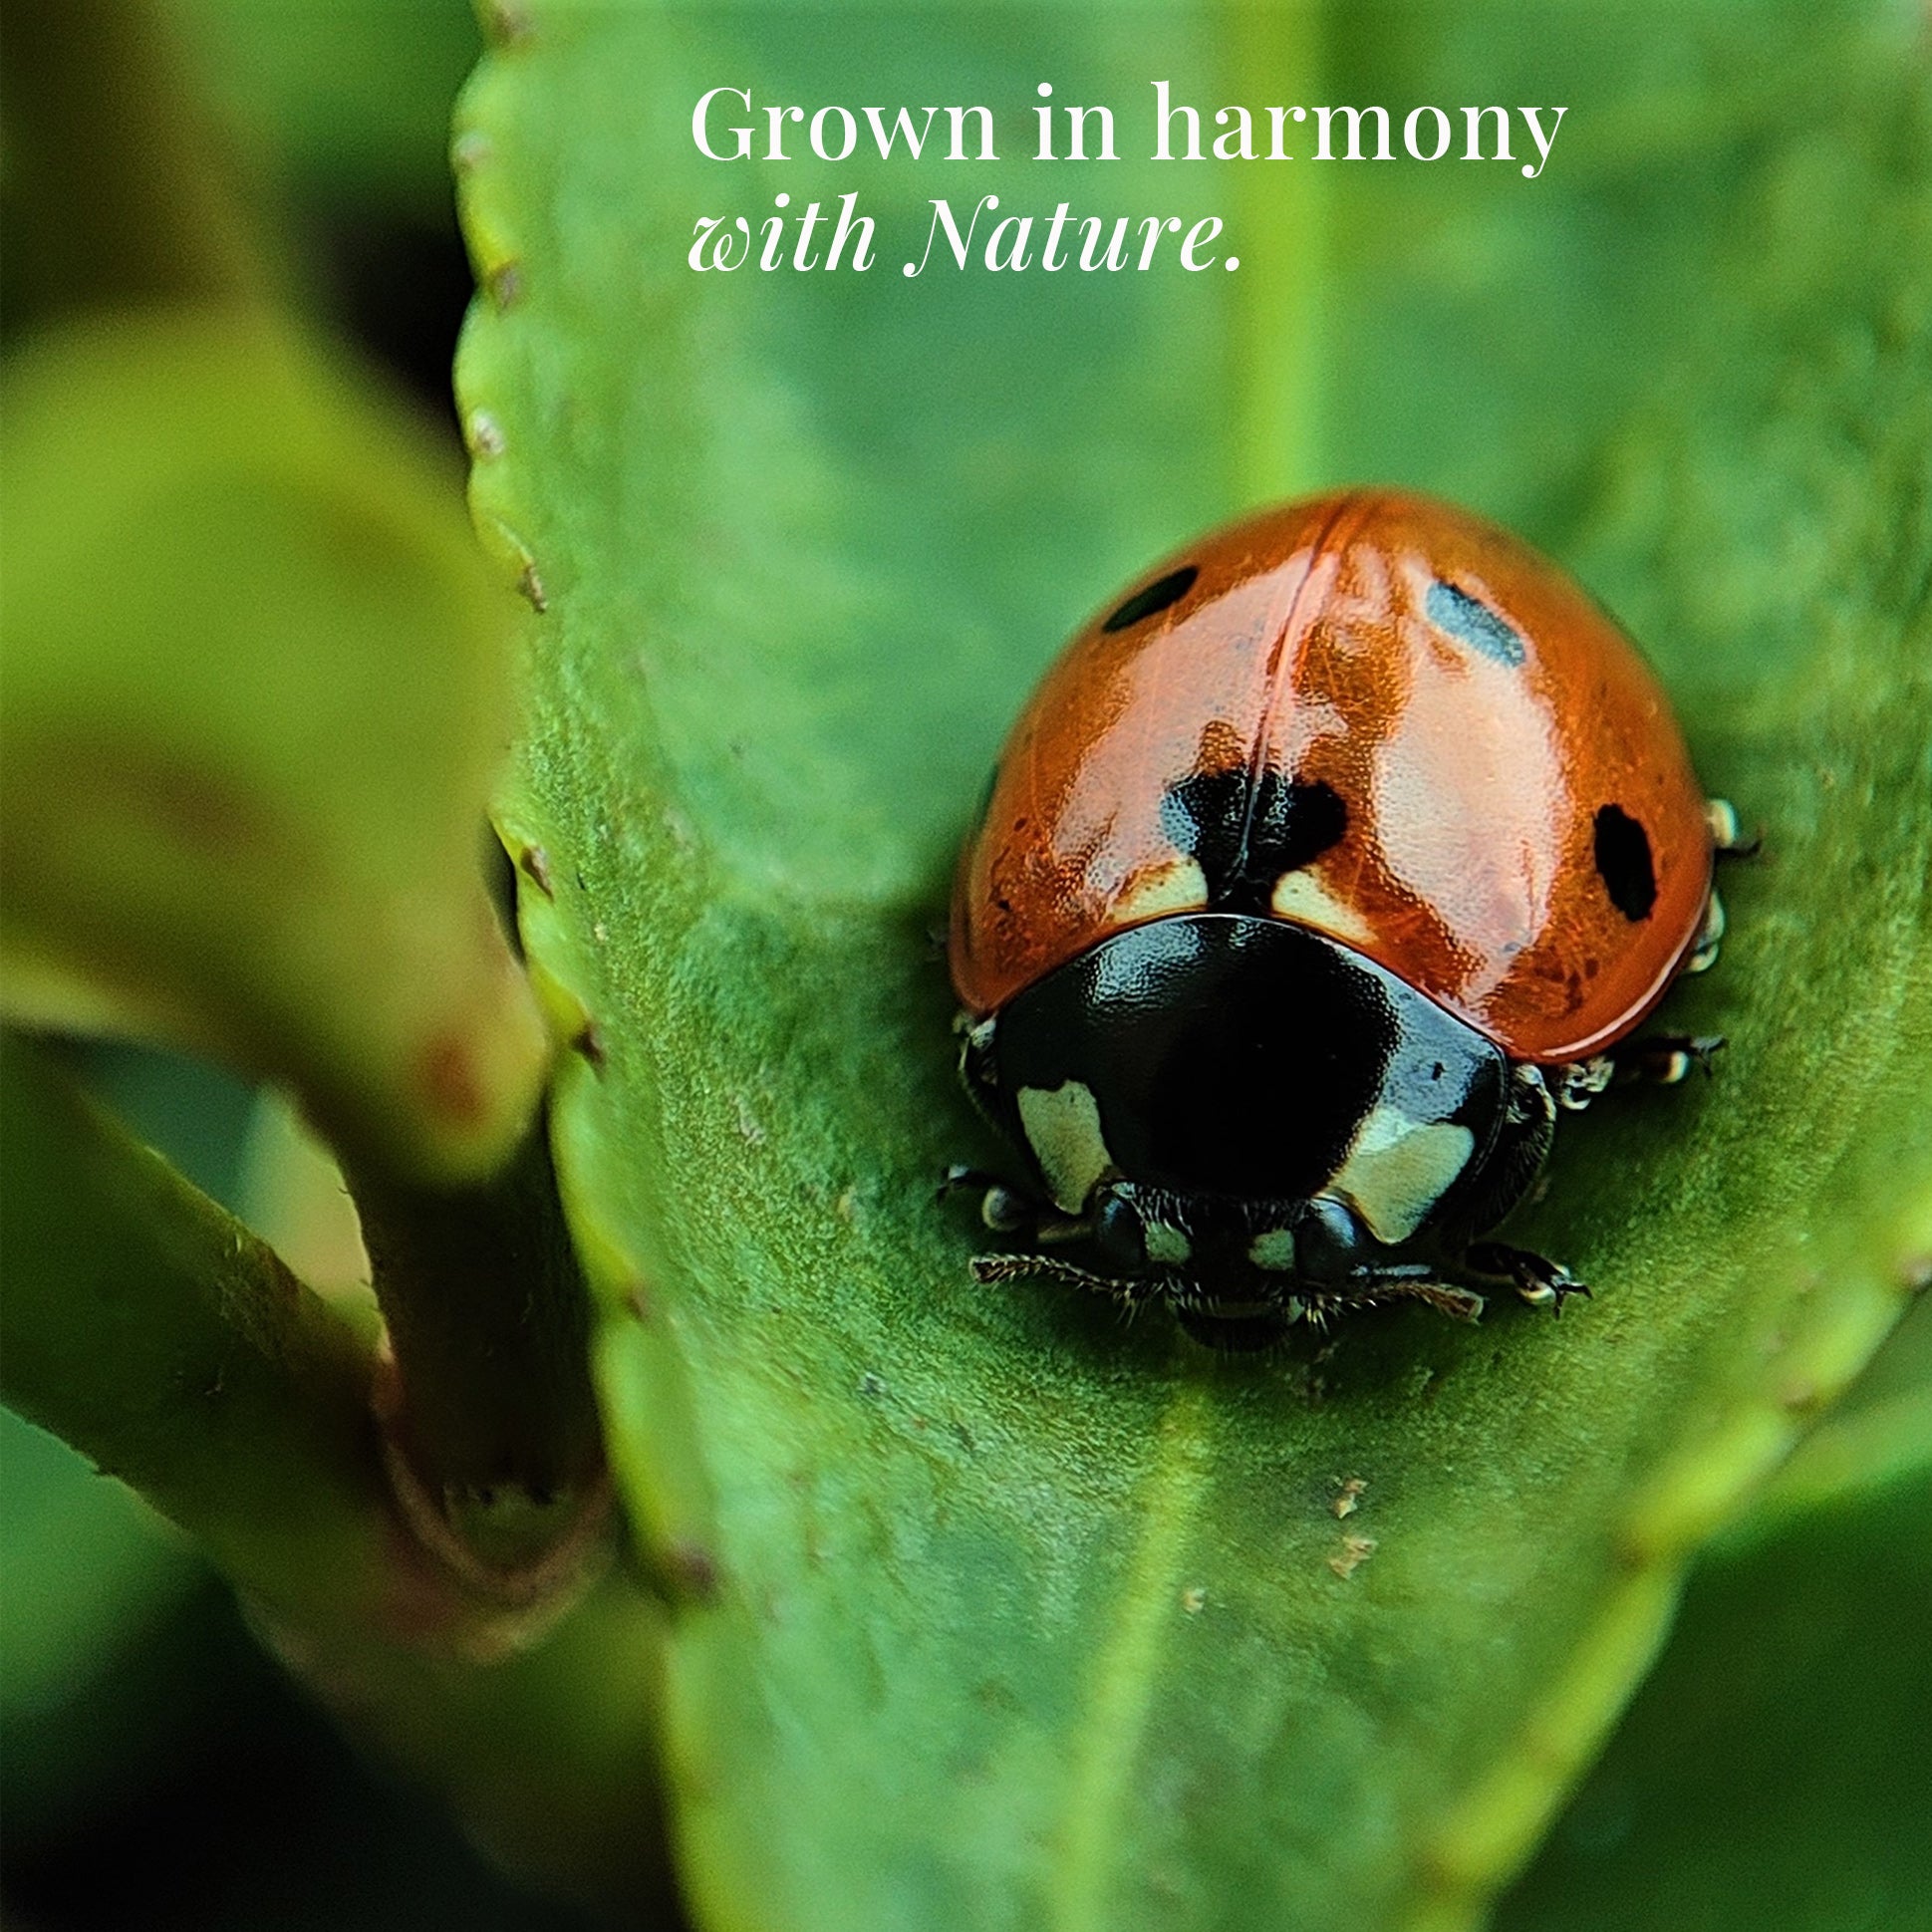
(908, 1601)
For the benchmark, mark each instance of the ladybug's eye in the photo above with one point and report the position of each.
(1328, 1240)
(1156, 597)
(1120, 1233)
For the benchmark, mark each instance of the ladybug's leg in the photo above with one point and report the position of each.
(1542, 1282)
(1728, 840)
(1663, 1059)
(1459, 1304)
(1656, 1059)
(1000, 1201)
(1728, 843)
(1575, 1086)
(960, 1179)
(1710, 936)
(1008, 1210)
(1659, 1059)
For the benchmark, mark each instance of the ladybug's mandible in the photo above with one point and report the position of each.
(1318, 874)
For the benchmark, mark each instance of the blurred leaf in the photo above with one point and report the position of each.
(194, 1114)
(256, 693)
(1017, 1618)
(292, 1195)
(1901, 1370)
(115, 193)
(88, 1569)
(349, 98)
(1772, 1770)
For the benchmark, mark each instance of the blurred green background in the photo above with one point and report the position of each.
(157, 1767)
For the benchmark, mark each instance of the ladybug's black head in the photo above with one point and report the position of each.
(1241, 1109)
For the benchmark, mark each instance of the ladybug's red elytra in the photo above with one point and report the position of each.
(1317, 875)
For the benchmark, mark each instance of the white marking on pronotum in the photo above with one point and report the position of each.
(1398, 1168)
(1063, 1129)
(1301, 896)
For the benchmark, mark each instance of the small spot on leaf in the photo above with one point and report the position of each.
(483, 434)
(1354, 1552)
(534, 863)
(693, 1572)
(506, 23)
(447, 1076)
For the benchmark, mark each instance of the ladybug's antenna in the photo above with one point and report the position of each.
(1017, 1267)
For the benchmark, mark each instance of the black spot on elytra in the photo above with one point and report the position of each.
(1156, 597)
(1623, 863)
(1472, 623)
(1245, 839)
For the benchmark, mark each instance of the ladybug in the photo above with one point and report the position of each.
(1320, 873)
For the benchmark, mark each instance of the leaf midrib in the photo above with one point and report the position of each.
(1119, 1694)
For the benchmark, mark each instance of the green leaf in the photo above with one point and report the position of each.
(1772, 1770)
(257, 690)
(995, 1614)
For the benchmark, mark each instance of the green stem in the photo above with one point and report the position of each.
(152, 1332)
(148, 1328)
(488, 1321)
